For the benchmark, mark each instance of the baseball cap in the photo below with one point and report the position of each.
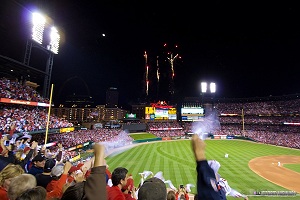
(39, 158)
(57, 170)
(49, 164)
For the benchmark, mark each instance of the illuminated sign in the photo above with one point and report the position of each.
(172, 111)
(130, 115)
(149, 110)
(66, 130)
(160, 111)
(27, 103)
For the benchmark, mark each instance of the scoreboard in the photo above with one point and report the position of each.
(160, 111)
(192, 113)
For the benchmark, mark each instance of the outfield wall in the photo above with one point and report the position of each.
(147, 140)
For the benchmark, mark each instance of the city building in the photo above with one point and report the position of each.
(139, 110)
(112, 97)
(114, 114)
(80, 115)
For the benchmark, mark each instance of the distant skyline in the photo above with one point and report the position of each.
(250, 49)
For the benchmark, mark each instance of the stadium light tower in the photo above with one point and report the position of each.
(204, 89)
(38, 27)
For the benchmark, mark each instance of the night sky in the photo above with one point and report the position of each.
(249, 48)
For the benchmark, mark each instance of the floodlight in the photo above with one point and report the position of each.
(203, 87)
(212, 87)
(54, 40)
(38, 22)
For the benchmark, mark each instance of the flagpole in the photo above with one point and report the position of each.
(47, 125)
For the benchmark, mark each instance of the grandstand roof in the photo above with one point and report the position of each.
(13, 68)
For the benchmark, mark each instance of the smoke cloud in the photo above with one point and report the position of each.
(208, 126)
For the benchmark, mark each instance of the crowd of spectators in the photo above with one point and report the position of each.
(254, 119)
(14, 89)
(75, 138)
(274, 122)
(173, 133)
(283, 107)
(44, 175)
(36, 174)
(172, 125)
(44, 172)
(22, 118)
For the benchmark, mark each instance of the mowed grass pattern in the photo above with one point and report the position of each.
(176, 160)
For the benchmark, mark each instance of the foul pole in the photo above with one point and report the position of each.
(49, 111)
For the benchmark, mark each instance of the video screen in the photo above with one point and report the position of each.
(160, 113)
(192, 114)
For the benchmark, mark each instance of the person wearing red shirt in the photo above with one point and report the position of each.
(60, 175)
(119, 179)
(182, 195)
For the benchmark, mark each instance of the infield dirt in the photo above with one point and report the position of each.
(267, 167)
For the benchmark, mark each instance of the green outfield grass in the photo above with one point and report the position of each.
(175, 159)
(294, 167)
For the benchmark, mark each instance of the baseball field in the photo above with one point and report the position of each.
(250, 168)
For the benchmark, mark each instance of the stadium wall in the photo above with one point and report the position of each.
(133, 128)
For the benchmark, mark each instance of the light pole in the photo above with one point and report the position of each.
(38, 26)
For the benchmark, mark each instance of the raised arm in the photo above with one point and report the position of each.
(96, 181)
(206, 179)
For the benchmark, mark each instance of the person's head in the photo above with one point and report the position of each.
(9, 172)
(19, 184)
(119, 176)
(18, 154)
(171, 195)
(196, 197)
(49, 164)
(182, 197)
(39, 161)
(74, 192)
(154, 189)
(36, 193)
